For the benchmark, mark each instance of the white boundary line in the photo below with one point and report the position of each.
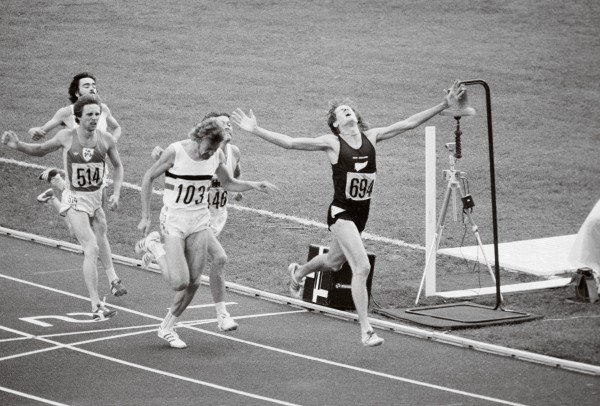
(153, 328)
(27, 395)
(73, 346)
(280, 216)
(383, 324)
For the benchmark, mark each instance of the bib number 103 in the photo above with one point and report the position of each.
(189, 194)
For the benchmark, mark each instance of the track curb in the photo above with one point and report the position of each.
(382, 324)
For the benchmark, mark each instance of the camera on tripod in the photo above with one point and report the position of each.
(453, 175)
(451, 146)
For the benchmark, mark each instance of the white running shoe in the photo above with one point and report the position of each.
(226, 323)
(102, 313)
(48, 174)
(147, 260)
(46, 196)
(171, 337)
(370, 339)
(52, 176)
(143, 245)
(295, 286)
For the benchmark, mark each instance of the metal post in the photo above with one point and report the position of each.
(488, 106)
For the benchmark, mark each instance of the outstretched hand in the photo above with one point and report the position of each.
(245, 122)
(10, 138)
(37, 133)
(454, 93)
(265, 187)
(156, 152)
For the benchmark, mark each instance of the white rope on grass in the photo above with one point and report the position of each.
(280, 216)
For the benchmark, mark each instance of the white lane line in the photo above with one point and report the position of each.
(56, 271)
(359, 369)
(275, 349)
(280, 216)
(74, 333)
(33, 397)
(153, 328)
(73, 347)
(59, 345)
(209, 305)
(248, 316)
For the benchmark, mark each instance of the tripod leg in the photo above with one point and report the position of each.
(436, 237)
(475, 230)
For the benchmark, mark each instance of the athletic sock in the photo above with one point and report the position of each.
(156, 249)
(220, 307)
(169, 321)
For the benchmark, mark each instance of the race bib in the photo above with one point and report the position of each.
(359, 186)
(87, 175)
(72, 200)
(190, 193)
(217, 197)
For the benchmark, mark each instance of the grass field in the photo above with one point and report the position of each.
(161, 65)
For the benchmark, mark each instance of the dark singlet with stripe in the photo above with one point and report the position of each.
(354, 174)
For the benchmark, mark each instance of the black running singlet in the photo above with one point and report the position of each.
(354, 174)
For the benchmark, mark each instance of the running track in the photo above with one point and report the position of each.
(51, 352)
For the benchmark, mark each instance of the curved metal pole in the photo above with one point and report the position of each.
(488, 105)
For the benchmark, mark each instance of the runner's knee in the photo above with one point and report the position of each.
(219, 260)
(90, 249)
(332, 264)
(179, 283)
(361, 272)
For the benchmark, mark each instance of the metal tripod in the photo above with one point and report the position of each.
(453, 177)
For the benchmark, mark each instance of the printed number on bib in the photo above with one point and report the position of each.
(87, 175)
(188, 194)
(359, 186)
(218, 198)
(72, 200)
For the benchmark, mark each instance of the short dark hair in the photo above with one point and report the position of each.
(74, 86)
(84, 101)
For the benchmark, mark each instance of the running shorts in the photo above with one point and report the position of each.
(183, 223)
(357, 215)
(87, 202)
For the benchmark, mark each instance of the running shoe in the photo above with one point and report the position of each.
(143, 245)
(48, 174)
(295, 286)
(117, 288)
(370, 339)
(102, 313)
(46, 196)
(226, 322)
(147, 260)
(171, 337)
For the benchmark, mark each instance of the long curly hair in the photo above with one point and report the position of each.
(331, 118)
(215, 114)
(209, 129)
(74, 86)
